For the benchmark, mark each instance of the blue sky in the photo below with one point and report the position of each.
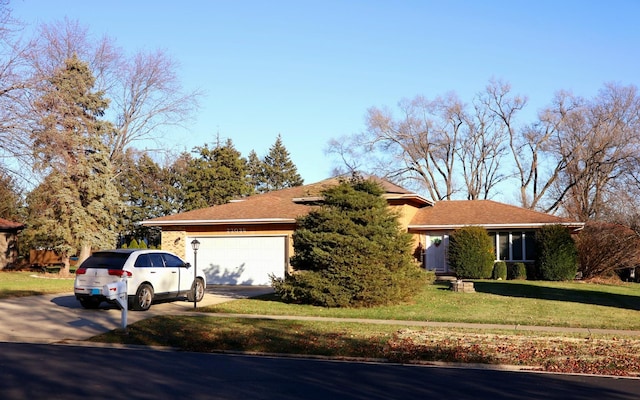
(308, 70)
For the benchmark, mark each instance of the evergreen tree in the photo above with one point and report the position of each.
(75, 205)
(10, 199)
(351, 252)
(278, 171)
(145, 192)
(255, 171)
(215, 177)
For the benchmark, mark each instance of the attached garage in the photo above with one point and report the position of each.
(241, 260)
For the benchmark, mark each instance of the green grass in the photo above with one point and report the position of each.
(564, 304)
(594, 354)
(23, 283)
(503, 302)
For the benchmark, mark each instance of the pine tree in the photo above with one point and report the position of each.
(255, 171)
(11, 207)
(351, 252)
(145, 190)
(216, 176)
(278, 171)
(75, 205)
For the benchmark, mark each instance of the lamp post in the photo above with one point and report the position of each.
(195, 245)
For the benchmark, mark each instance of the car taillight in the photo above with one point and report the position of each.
(81, 271)
(119, 272)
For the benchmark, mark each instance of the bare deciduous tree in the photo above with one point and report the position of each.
(144, 89)
(434, 143)
(482, 151)
(604, 141)
(13, 93)
(421, 142)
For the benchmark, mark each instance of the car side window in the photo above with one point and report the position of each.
(156, 260)
(143, 261)
(172, 261)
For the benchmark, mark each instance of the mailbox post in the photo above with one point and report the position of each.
(118, 291)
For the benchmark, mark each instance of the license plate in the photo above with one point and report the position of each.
(96, 292)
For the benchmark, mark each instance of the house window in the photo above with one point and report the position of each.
(517, 245)
(503, 246)
(530, 246)
(513, 246)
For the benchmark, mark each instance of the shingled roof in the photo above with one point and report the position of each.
(7, 225)
(490, 214)
(281, 206)
(286, 205)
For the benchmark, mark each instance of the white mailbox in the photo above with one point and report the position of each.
(113, 291)
(118, 291)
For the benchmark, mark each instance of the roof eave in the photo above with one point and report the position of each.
(202, 222)
(574, 225)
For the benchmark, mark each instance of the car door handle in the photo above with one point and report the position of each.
(153, 272)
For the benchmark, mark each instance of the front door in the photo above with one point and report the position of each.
(435, 259)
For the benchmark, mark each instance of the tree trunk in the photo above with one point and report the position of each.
(65, 270)
(85, 252)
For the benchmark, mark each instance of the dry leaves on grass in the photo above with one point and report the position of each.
(604, 356)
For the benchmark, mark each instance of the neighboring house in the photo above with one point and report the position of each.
(245, 242)
(9, 242)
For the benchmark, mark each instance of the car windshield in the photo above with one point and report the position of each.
(106, 259)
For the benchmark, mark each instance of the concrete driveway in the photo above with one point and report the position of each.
(59, 317)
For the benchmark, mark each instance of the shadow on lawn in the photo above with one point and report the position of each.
(570, 295)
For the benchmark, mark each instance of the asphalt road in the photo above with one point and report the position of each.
(44, 371)
(42, 357)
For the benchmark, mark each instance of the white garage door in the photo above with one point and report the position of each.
(241, 260)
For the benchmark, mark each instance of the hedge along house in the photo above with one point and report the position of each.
(511, 228)
(244, 242)
(9, 231)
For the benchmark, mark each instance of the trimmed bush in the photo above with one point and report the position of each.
(557, 257)
(518, 271)
(500, 270)
(471, 253)
(134, 244)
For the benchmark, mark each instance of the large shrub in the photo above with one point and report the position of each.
(604, 248)
(556, 254)
(351, 252)
(471, 253)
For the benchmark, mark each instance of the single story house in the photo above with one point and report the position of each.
(245, 241)
(9, 242)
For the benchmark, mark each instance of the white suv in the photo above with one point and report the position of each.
(151, 275)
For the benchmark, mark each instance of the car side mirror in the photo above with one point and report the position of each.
(187, 265)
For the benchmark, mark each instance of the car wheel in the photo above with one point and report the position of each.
(90, 303)
(143, 298)
(199, 290)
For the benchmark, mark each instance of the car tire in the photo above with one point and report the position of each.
(143, 298)
(199, 290)
(90, 303)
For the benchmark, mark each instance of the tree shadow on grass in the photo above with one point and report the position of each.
(559, 294)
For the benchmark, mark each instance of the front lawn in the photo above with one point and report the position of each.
(564, 304)
(511, 302)
(25, 283)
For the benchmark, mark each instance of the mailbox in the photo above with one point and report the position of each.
(112, 290)
(118, 291)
